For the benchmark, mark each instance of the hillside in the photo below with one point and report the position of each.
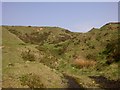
(15, 68)
(60, 57)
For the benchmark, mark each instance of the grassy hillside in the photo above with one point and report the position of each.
(81, 57)
(15, 68)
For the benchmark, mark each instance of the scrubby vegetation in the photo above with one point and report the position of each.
(79, 55)
(28, 55)
(112, 52)
(31, 80)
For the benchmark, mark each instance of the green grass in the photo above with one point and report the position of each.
(14, 66)
(54, 50)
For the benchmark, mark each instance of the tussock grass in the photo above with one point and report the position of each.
(84, 63)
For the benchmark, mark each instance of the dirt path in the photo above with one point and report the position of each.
(105, 83)
(72, 83)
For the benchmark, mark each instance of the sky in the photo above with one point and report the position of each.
(60, 0)
(74, 16)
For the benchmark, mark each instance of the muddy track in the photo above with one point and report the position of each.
(105, 83)
(72, 83)
(102, 81)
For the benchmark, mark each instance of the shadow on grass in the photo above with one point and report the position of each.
(105, 83)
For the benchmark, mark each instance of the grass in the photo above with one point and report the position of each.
(80, 63)
(14, 65)
(11, 48)
(32, 81)
(55, 51)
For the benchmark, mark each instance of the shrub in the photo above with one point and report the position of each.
(28, 55)
(34, 37)
(29, 26)
(32, 81)
(62, 37)
(67, 31)
(21, 43)
(111, 52)
(49, 61)
(14, 31)
(91, 56)
(92, 47)
(106, 34)
(98, 38)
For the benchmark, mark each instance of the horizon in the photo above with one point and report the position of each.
(58, 26)
(76, 17)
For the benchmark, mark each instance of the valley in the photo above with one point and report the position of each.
(54, 57)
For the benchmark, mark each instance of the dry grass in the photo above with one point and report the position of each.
(84, 63)
(49, 77)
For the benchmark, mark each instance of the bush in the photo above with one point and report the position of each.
(34, 37)
(49, 60)
(111, 52)
(91, 56)
(21, 43)
(14, 31)
(32, 81)
(98, 38)
(28, 55)
(92, 47)
(29, 26)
